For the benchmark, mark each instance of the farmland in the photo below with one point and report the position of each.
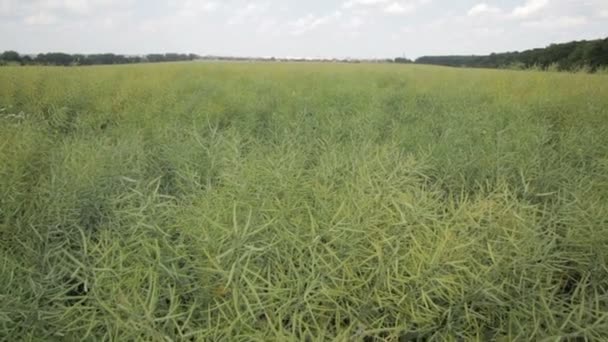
(244, 201)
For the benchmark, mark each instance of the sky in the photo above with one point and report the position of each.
(303, 28)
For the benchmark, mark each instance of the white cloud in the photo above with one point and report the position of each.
(529, 8)
(59, 8)
(385, 6)
(353, 23)
(193, 8)
(279, 27)
(485, 32)
(399, 8)
(5, 7)
(268, 26)
(554, 23)
(41, 18)
(483, 9)
(108, 23)
(352, 3)
(402, 32)
(406, 30)
(311, 22)
(77, 6)
(252, 11)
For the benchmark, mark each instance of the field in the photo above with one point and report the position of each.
(279, 202)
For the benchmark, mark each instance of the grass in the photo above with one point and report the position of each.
(260, 202)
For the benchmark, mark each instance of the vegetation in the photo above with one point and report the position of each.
(403, 60)
(65, 59)
(224, 201)
(587, 56)
(574, 56)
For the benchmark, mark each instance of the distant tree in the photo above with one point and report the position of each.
(26, 60)
(108, 58)
(572, 56)
(403, 60)
(155, 58)
(55, 58)
(10, 56)
(596, 55)
(79, 59)
(136, 59)
(59, 58)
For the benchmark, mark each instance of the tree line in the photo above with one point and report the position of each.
(65, 59)
(585, 55)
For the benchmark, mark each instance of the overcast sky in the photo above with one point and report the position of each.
(302, 28)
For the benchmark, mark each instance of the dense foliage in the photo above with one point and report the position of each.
(284, 202)
(571, 56)
(402, 60)
(64, 59)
